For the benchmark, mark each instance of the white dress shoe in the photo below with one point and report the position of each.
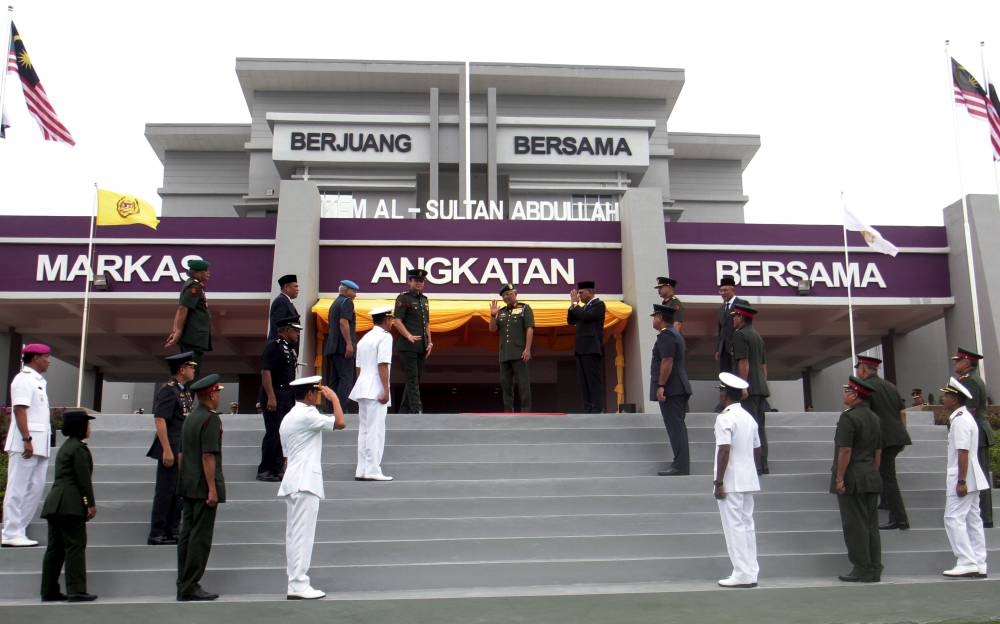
(736, 582)
(19, 542)
(306, 594)
(961, 571)
(380, 477)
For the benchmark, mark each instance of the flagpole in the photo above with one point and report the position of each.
(986, 81)
(86, 302)
(6, 55)
(847, 271)
(965, 215)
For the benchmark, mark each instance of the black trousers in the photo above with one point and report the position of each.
(271, 458)
(673, 410)
(515, 373)
(590, 373)
(67, 545)
(986, 496)
(340, 378)
(165, 517)
(198, 353)
(890, 485)
(726, 364)
(194, 544)
(859, 517)
(757, 406)
(413, 370)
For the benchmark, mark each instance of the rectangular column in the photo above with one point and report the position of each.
(491, 144)
(435, 114)
(463, 115)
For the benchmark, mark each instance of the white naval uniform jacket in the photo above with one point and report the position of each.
(963, 434)
(301, 434)
(737, 428)
(29, 389)
(374, 348)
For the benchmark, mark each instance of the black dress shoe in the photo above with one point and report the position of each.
(162, 540)
(763, 471)
(671, 472)
(892, 526)
(81, 597)
(60, 597)
(987, 525)
(197, 595)
(269, 477)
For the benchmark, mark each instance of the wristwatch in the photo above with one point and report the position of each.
(717, 483)
(961, 481)
(27, 439)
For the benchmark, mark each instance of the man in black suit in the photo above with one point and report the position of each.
(724, 344)
(586, 312)
(282, 306)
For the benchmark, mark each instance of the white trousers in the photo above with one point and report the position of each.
(300, 532)
(736, 510)
(25, 486)
(371, 437)
(965, 529)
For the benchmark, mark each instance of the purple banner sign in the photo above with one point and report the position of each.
(799, 235)
(757, 273)
(133, 268)
(170, 227)
(470, 270)
(472, 230)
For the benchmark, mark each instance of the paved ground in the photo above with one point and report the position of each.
(908, 600)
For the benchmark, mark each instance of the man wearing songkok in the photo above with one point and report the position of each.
(371, 392)
(737, 453)
(302, 486)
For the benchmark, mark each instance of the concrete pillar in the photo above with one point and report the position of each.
(643, 257)
(463, 115)
(296, 250)
(435, 157)
(491, 144)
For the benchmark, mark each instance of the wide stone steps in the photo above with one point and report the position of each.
(498, 502)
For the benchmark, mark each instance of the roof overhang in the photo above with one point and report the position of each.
(700, 146)
(166, 137)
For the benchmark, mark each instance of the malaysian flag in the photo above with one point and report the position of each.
(993, 112)
(968, 91)
(38, 103)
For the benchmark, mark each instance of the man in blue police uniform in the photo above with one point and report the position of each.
(669, 386)
(277, 371)
(192, 327)
(586, 312)
(282, 306)
(412, 319)
(171, 406)
(341, 342)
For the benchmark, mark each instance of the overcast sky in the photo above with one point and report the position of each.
(846, 96)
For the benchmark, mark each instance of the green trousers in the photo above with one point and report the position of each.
(859, 517)
(67, 545)
(515, 373)
(413, 369)
(194, 544)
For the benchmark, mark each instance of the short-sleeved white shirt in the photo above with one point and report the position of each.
(963, 434)
(737, 428)
(374, 348)
(29, 389)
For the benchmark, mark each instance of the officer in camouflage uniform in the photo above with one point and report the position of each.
(967, 368)
(515, 323)
(412, 321)
(192, 328)
(665, 288)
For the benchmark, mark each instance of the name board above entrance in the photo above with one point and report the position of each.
(569, 146)
(355, 143)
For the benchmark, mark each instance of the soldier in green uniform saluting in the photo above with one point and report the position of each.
(192, 328)
(412, 319)
(67, 508)
(202, 487)
(967, 368)
(515, 323)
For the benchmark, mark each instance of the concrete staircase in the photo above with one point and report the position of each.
(483, 504)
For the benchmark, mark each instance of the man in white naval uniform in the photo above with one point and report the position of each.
(27, 446)
(964, 479)
(737, 455)
(301, 434)
(371, 392)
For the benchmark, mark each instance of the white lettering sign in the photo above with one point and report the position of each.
(475, 210)
(445, 270)
(124, 269)
(764, 273)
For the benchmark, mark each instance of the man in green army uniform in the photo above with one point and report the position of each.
(967, 368)
(192, 328)
(68, 507)
(750, 359)
(856, 482)
(665, 288)
(202, 487)
(515, 323)
(413, 344)
(890, 409)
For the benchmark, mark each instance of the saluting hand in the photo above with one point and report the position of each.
(494, 308)
(574, 296)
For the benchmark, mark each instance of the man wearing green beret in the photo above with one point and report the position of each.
(515, 324)
(192, 328)
(202, 487)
